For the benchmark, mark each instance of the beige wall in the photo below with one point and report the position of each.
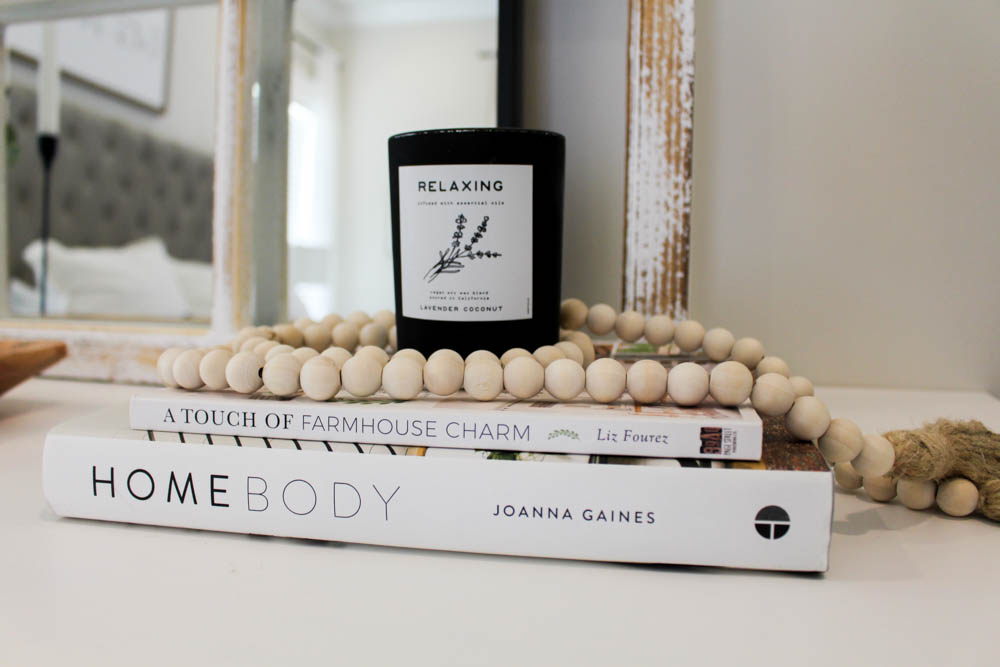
(847, 178)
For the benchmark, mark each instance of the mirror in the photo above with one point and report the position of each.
(123, 228)
(362, 71)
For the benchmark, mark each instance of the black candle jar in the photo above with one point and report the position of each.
(477, 238)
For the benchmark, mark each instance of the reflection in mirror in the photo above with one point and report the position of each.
(130, 98)
(363, 70)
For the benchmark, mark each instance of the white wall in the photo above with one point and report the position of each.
(398, 78)
(189, 118)
(846, 162)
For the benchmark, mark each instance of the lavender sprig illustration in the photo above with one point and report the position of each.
(449, 260)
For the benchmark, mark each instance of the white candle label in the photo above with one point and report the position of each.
(465, 235)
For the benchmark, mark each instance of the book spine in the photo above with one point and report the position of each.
(590, 432)
(627, 513)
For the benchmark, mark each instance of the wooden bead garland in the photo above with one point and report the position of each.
(286, 358)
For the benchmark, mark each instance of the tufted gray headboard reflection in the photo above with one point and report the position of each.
(111, 184)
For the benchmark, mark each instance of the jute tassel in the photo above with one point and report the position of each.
(952, 449)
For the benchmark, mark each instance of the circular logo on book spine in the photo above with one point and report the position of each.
(772, 522)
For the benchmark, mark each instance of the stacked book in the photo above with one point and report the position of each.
(618, 482)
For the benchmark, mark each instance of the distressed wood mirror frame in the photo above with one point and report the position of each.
(248, 212)
(658, 182)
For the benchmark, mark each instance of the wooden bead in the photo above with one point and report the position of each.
(689, 335)
(250, 343)
(601, 318)
(646, 381)
(957, 496)
(630, 326)
(802, 386)
(243, 372)
(546, 354)
(523, 377)
(276, 350)
(443, 374)
(317, 337)
(717, 344)
(374, 334)
(847, 477)
(772, 395)
(882, 489)
(385, 319)
(447, 354)
(403, 378)
(747, 351)
(512, 354)
(659, 330)
(582, 341)
(565, 379)
(212, 369)
(730, 383)
(331, 320)
(773, 365)
(304, 354)
(482, 355)
(241, 336)
(376, 353)
(410, 353)
(572, 314)
(165, 365)
(687, 384)
(359, 318)
(483, 380)
(606, 379)
(337, 355)
(345, 335)
(571, 350)
(303, 323)
(842, 441)
(281, 374)
(876, 457)
(263, 348)
(808, 419)
(289, 335)
(320, 378)
(917, 494)
(361, 375)
(185, 369)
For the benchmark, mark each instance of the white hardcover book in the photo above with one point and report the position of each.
(651, 510)
(543, 424)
